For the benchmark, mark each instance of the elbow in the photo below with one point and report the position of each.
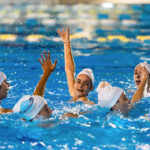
(69, 70)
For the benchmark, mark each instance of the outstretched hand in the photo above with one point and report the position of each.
(65, 36)
(46, 63)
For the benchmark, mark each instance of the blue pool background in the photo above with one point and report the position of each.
(111, 60)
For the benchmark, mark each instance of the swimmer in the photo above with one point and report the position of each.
(115, 98)
(35, 106)
(4, 87)
(80, 87)
(138, 75)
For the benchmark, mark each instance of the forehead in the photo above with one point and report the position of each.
(83, 77)
(138, 68)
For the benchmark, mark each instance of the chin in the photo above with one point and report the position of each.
(79, 95)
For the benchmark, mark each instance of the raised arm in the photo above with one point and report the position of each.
(48, 68)
(69, 62)
(140, 91)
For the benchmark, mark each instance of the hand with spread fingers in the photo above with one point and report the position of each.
(48, 68)
(46, 63)
(65, 35)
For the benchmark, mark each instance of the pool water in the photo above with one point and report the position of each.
(95, 45)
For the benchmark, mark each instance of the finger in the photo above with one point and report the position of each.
(40, 62)
(63, 30)
(45, 55)
(59, 32)
(49, 57)
(42, 57)
(67, 29)
(55, 63)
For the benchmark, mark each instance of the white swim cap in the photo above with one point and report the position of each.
(108, 96)
(89, 73)
(146, 65)
(2, 77)
(29, 106)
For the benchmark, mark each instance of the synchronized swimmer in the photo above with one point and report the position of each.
(115, 98)
(35, 106)
(80, 87)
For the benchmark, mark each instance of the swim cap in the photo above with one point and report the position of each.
(89, 73)
(146, 65)
(2, 77)
(29, 106)
(108, 96)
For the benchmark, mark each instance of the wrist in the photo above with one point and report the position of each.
(68, 42)
(47, 73)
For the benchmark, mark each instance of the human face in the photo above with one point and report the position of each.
(123, 104)
(4, 87)
(45, 112)
(138, 72)
(83, 85)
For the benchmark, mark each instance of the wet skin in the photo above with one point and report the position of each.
(4, 87)
(123, 104)
(138, 72)
(45, 112)
(83, 86)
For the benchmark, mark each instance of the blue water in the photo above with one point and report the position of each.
(113, 61)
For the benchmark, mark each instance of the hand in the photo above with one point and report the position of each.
(64, 35)
(69, 115)
(46, 63)
(145, 74)
(102, 85)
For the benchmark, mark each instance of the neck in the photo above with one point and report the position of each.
(81, 98)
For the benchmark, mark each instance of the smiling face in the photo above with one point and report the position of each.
(4, 87)
(122, 104)
(83, 86)
(45, 112)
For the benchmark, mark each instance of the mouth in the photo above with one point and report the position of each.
(79, 90)
(138, 82)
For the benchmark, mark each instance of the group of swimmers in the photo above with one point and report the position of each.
(34, 106)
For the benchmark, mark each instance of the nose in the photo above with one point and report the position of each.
(7, 87)
(81, 85)
(7, 84)
(138, 76)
